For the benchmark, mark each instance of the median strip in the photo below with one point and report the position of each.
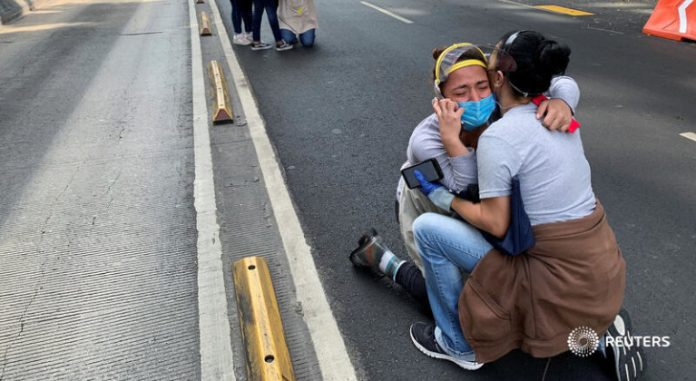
(330, 349)
(268, 358)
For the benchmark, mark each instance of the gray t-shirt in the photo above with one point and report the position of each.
(555, 179)
(460, 171)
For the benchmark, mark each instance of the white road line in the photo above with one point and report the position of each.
(689, 135)
(516, 3)
(217, 362)
(388, 13)
(329, 347)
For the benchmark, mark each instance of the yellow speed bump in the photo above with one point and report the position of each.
(222, 108)
(205, 24)
(563, 10)
(268, 358)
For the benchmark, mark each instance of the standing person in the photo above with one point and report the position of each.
(270, 7)
(241, 11)
(572, 277)
(298, 17)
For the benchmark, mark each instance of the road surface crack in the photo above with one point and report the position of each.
(41, 279)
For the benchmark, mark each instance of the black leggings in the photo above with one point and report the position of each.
(270, 7)
(411, 279)
(241, 11)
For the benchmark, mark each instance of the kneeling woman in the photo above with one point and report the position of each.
(573, 276)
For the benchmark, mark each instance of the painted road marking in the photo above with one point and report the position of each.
(388, 13)
(689, 135)
(217, 361)
(329, 347)
(563, 10)
(516, 3)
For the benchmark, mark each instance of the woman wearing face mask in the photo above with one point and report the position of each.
(461, 86)
(573, 276)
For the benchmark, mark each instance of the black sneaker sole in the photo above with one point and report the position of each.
(628, 362)
(468, 365)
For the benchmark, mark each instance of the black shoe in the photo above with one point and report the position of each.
(423, 337)
(628, 361)
(369, 252)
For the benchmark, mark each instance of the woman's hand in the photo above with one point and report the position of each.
(438, 194)
(449, 116)
(556, 113)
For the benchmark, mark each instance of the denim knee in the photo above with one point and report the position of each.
(424, 226)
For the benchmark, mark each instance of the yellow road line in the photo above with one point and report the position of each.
(563, 10)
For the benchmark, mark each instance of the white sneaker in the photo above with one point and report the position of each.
(240, 39)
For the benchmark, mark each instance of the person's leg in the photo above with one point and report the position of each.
(236, 17)
(288, 36)
(271, 6)
(409, 276)
(307, 38)
(373, 254)
(246, 15)
(257, 16)
(412, 204)
(448, 246)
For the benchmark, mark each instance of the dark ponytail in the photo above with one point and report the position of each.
(553, 57)
(536, 61)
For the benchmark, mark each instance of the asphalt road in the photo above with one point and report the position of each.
(340, 116)
(97, 224)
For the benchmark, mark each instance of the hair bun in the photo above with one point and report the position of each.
(553, 56)
(437, 52)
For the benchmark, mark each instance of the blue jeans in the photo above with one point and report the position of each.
(448, 246)
(270, 7)
(241, 11)
(306, 38)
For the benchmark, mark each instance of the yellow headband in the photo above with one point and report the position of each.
(457, 65)
(466, 63)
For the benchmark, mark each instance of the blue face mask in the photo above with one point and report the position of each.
(476, 114)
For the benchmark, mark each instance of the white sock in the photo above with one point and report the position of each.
(384, 262)
(389, 263)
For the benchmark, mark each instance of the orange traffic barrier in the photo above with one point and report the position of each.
(673, 19)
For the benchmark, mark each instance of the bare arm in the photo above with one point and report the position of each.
(491, 215)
